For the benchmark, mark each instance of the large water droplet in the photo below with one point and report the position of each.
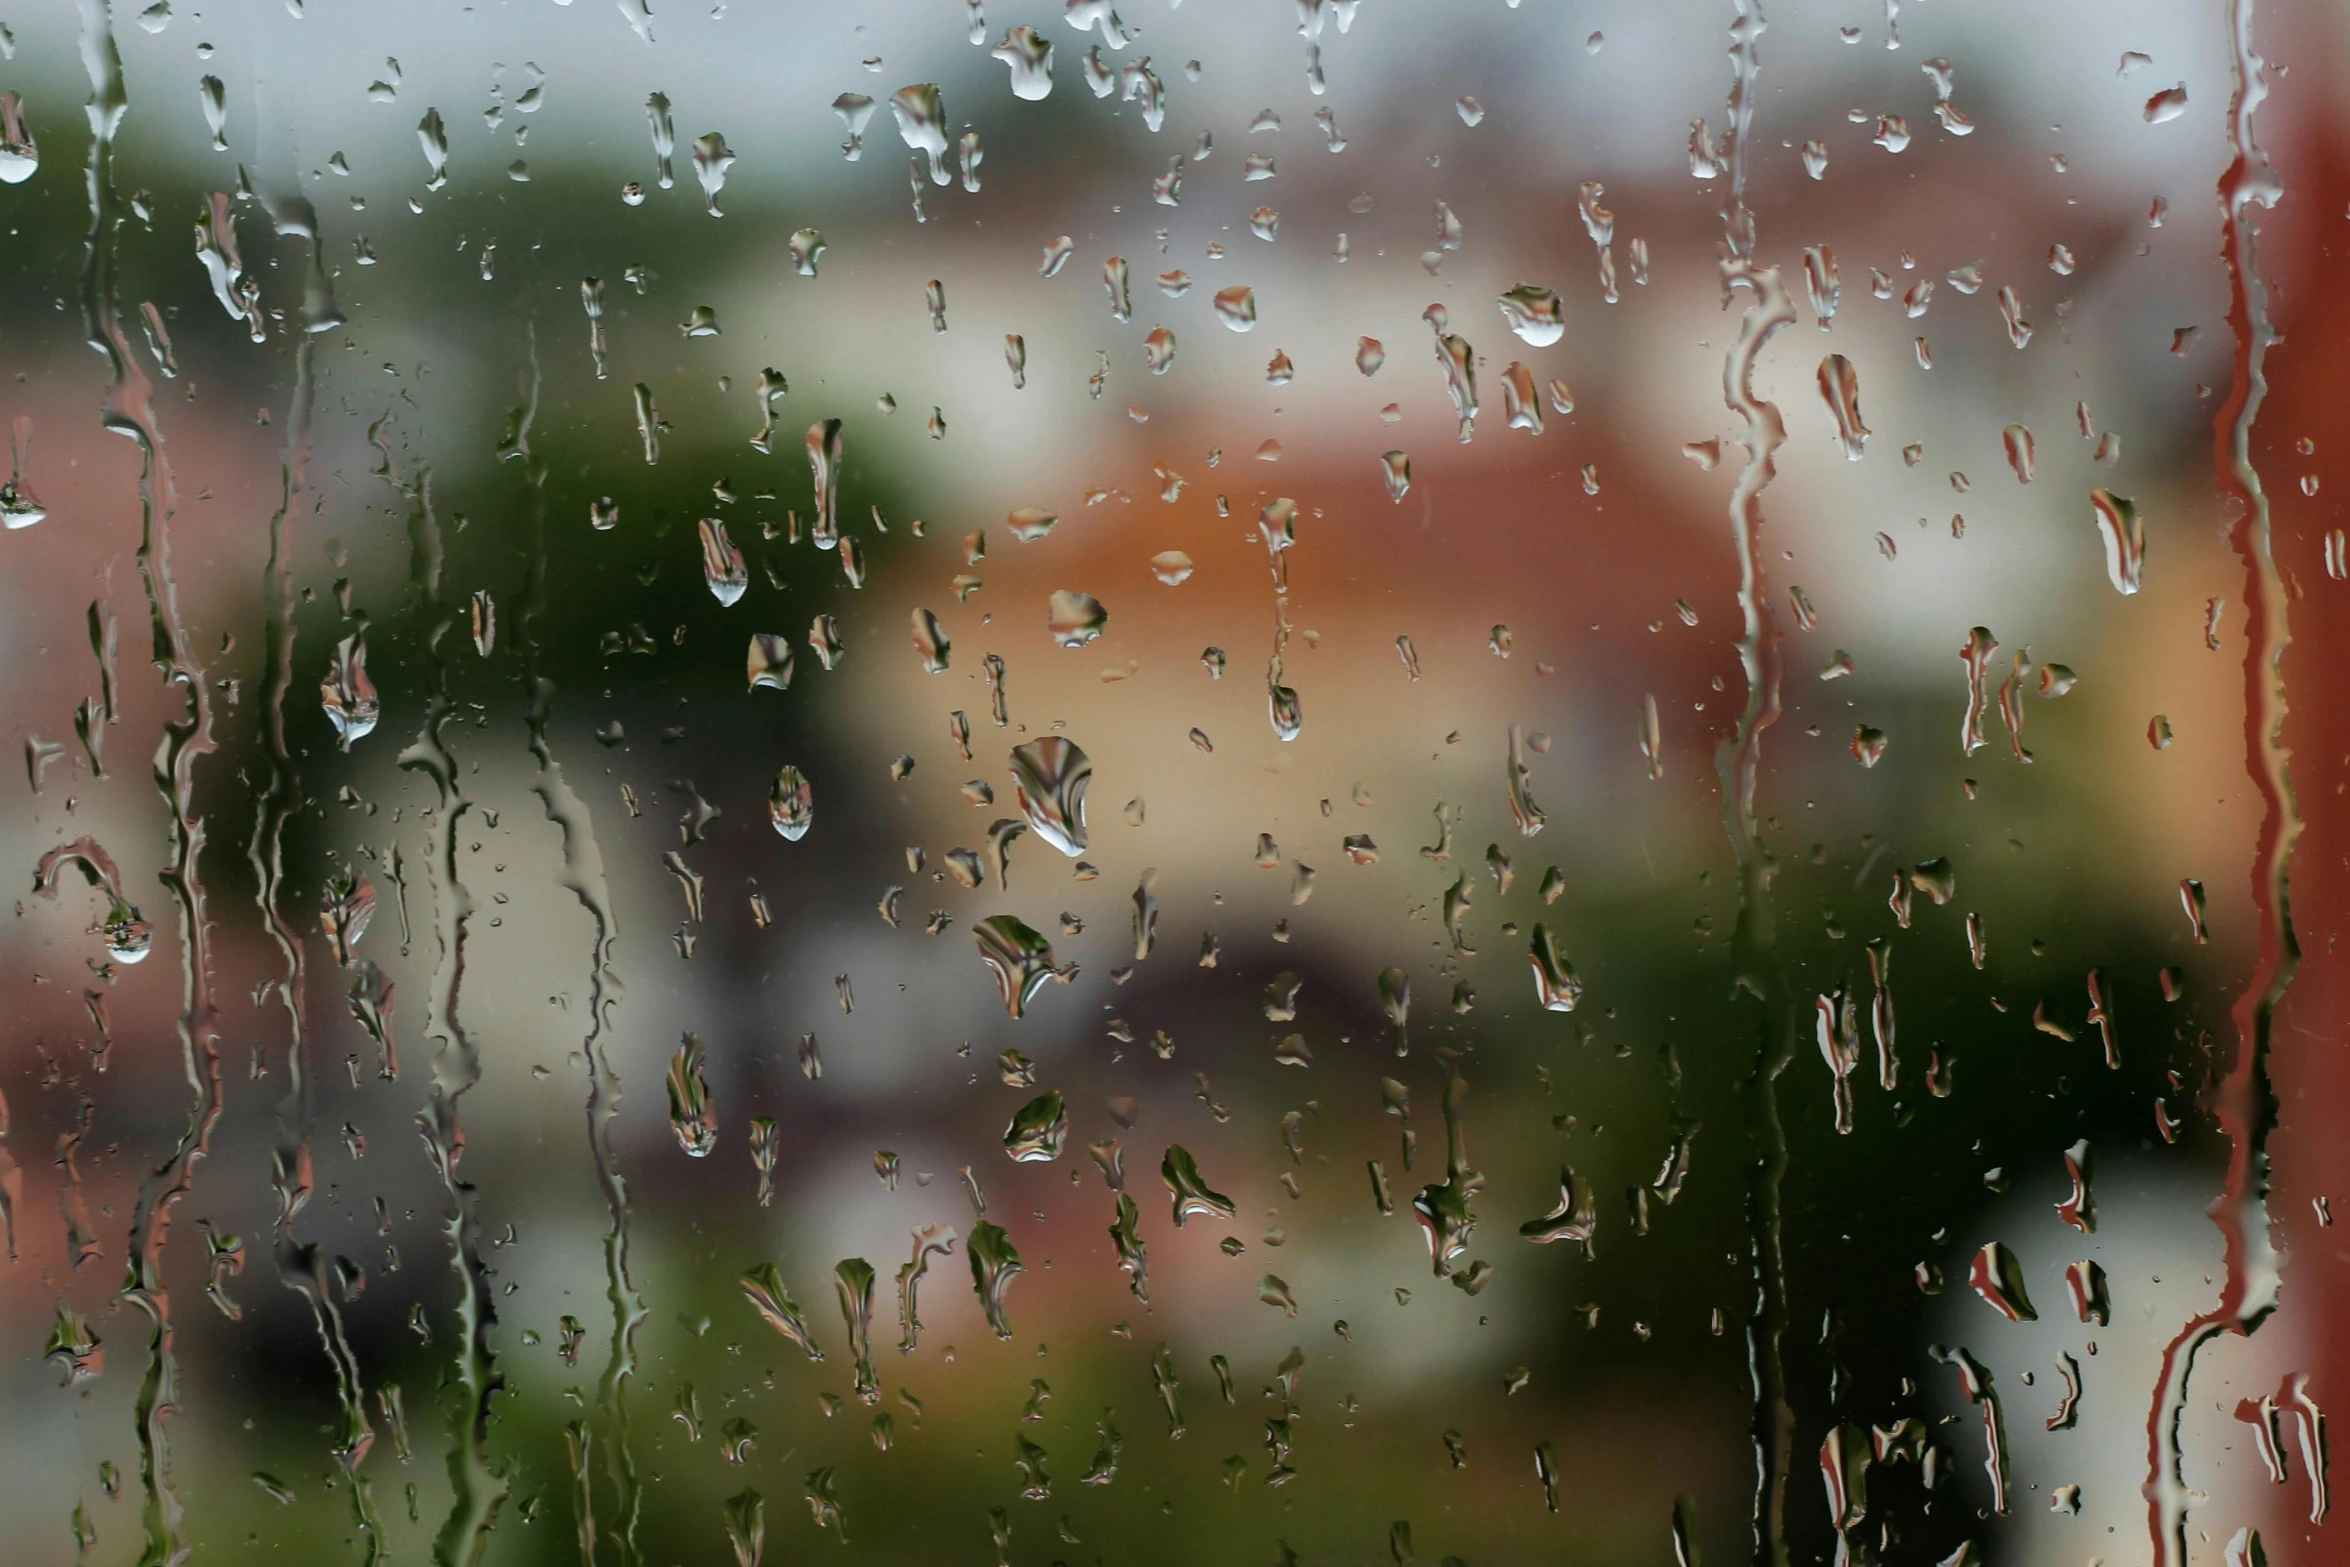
(722, 564)
(1030, 55)
(1194, 1198)
(20, 157)
(1534, 313)
(1158, 350)
(931, 641)
(1039, 1129)
(692, 1115)
(1840, 388)
(2123, 532)
(995, 1262)
(1050, 775)
(921, 116)
(347, 694)
(791, 804)
(1556, 985)
(344, 907)
(1076, 619)
(1019, 958)
(763, 1287)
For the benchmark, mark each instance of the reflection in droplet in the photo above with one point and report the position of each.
(20, 157)
(791, 804)
(807, 249)
(1535, 314)
(770, 661)
(1193, 1197)
(2018, 442)
(1840, 387)
(344, 907)
(1395, 468)
(2123, 533)
(921, 117)
(1019, 958)
(763, 1287)
(692, 1114)
(1158, 350)
(1030, 56)
(1556, 986)
(931, 642)
(995, 1262)
(347, 694)
(722, 564)
(1038, 1130)
(1075, 619)
(1050, 775)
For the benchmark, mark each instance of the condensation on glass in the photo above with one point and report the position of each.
(1288, 783)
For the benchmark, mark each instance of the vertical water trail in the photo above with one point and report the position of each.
(477, 1489)
(129, 411)
(583, 875)
(301, 1265)
(2243, 1098)
(1739, 763)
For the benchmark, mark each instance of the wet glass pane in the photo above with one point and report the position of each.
(1269, 783)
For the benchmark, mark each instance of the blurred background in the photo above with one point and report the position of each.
(1586, 601)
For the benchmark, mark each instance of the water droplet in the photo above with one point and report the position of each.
(763, 1287)
(995, 1262)
(722, 564)
(770, 661)
(1076, 619)
(347, 694)
(1396, 469)
(1236, 308)
(712, 158)
(2167, 105)
(692, 1115)
(19, 156)
(1193, 1197)
(433, 137)
(212, 97)
(1171, 567)
(1998, 1279)
(1038, 1130)
(1535, 314)
(1019, 958)
(1521, 405)
(746, 1526)
(1840, 387)
(1050, 776)
(1030, 56)
(2123, 533)
(1556, 986)
(345, 906)
(791, 804)
(2018, 442)
(921, 117)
